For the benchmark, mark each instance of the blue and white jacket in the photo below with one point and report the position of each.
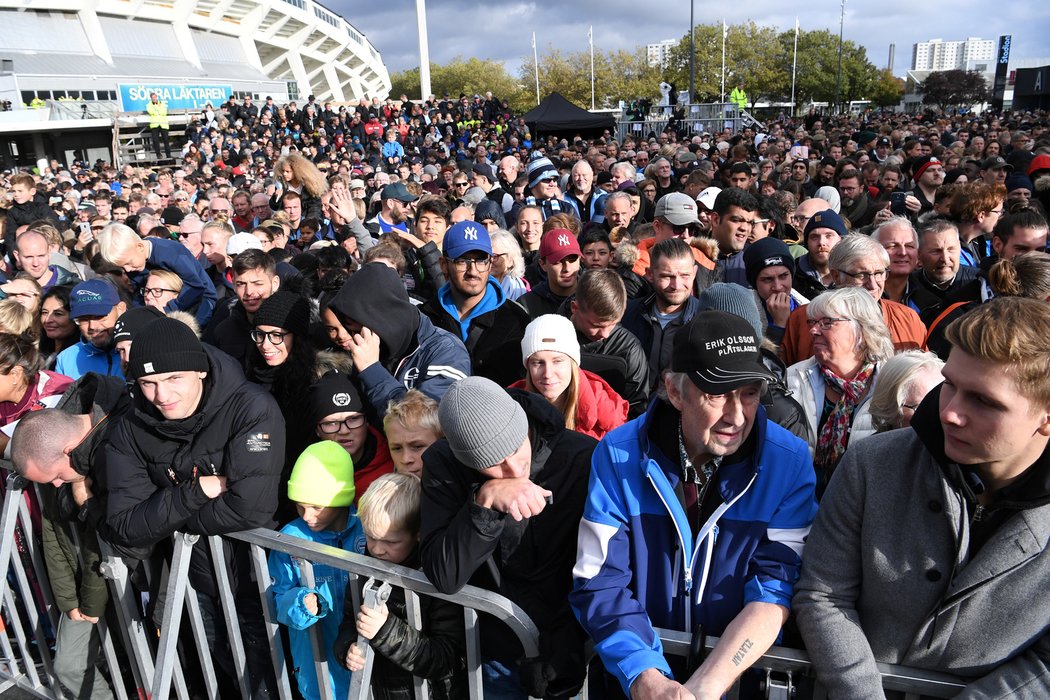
(640, 566)
(330, 587)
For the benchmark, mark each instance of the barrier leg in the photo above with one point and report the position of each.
(229, 607)
(306, 574)
(167, 656)
(262, 576)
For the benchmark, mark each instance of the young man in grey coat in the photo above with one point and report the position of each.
(930, 548)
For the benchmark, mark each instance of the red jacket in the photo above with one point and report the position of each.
(380, 464)
(599, 408)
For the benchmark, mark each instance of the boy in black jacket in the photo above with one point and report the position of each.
(389, 513)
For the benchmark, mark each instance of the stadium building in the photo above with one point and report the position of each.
(69, 68)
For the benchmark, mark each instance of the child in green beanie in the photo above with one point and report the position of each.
(322, 487)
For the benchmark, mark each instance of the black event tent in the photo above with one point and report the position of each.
(556, 115)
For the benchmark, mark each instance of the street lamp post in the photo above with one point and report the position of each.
(838, 80)
(424, 50)
(692, 55)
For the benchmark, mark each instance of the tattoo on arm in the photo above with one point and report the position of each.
(738, 657)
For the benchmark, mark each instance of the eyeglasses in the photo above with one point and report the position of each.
(823, 323)
(550, 181)
(798, 218)
(997, 212)
(864, 277)
(759, 222)
(220, 211)
(498, 256)
(459, 184)
(275, 337)
(331, 427)
(187, 234)
(156, 292)
(683, 230)
(480, 264)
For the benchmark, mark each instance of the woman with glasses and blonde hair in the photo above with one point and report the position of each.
(508, 264)
(834, 386)
(161, 288)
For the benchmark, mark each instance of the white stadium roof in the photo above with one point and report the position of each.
(232, 40)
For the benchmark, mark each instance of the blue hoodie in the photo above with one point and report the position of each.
(492, 300)
(330, 588)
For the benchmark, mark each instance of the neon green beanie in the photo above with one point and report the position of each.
(323, 476)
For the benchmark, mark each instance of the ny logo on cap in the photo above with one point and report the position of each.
(470, 233)
(563, 240)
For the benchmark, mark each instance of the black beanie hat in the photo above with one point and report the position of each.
(132, 321)
(763, 253)
(333, 393)
(285, 310)
(166, 345)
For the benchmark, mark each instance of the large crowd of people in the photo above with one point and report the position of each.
(791, 385)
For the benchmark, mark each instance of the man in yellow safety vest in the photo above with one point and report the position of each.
(158, 124)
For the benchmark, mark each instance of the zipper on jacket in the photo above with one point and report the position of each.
(687, 565)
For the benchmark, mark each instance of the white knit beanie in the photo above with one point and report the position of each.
(550, 332)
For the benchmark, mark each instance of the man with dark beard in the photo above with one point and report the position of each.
(95, 307)
(856, 204)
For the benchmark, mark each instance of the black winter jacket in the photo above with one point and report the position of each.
(494, 339)
(153, 464)
(436, 653)
(530, 562)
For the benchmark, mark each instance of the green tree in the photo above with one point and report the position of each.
(817, 72)
(754, 58)
(953, 89)
(888, 90)
(618, 75)
(470, 76)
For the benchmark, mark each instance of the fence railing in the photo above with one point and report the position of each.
(710, 118)
(158, 666)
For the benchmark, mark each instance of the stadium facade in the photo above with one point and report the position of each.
(84, 61)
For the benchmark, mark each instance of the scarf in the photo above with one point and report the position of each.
(835, 433)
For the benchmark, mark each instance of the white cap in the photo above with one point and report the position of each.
(240, 242)
(357, 184)
(708, 197)
(550, 332)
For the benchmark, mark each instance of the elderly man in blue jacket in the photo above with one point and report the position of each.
(695, 517)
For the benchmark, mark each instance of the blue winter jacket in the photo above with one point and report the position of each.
(330, 588)
(77, 360)
(639, 564)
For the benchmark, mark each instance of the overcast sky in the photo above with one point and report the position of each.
(502, 29)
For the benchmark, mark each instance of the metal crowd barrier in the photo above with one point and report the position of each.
(709, 118)
(156, 665)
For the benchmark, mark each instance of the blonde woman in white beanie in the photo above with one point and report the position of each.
(551, 353)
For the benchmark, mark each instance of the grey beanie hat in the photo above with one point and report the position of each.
(734, 299)
(482, 423)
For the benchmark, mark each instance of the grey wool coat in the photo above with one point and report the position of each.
(887, 575)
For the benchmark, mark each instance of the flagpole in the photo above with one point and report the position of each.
(536, 63)
(725, 31)
(590, 38)
(794, 67)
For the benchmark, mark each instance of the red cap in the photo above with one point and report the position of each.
(1040, 162)
(557, 244)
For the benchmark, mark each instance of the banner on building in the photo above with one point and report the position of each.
(1002, 63)
(135, 96)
